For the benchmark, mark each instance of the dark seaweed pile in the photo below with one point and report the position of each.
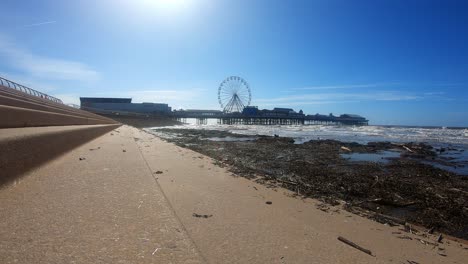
(404, 188)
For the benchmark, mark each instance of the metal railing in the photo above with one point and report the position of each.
(10, 84)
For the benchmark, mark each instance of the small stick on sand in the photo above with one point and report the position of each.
(354, 245)
(408, 149)
(345, 148)
(287, 182)
(156, 250)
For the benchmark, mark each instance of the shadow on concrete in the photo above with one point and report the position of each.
(17, 157)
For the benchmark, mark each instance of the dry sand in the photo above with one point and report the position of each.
(138, 206)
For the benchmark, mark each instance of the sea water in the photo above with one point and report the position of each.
(454, 140)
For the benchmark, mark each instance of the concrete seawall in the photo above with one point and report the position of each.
(18, 109)
(26, 148)
(34, 130)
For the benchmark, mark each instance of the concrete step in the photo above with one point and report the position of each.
(9, 101)
(23, 149)
(20, 99)
(14, 117)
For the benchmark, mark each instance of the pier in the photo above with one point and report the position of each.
(276, 116)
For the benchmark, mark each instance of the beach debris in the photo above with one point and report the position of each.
(158, 172)
(427, 242)
(201, 216)
(92, 149)
(408, 149)
(323, 207)
(255, 188)
(431, 230)
(123, 150)
(81, 158)
(404, 237)
(390, 202)
(409, 229)
(354, 245)
(385, 219)
(422, 194)
(439, 238)
(287, 182)
(412, 262)
(442, 254)
(345, 148)
(156, 250)
(269, 202)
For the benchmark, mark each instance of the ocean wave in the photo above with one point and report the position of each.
(360, 134)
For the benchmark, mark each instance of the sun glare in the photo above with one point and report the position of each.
(167, 5)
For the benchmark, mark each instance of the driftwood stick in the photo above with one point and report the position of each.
(393, 219)
(354, 245)
(408, 149)
(287, 182)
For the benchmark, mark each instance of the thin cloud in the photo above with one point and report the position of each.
(341, 97)
(434, 93)
(336, 87)
(40, 23)
(68, 98)
(44, 67)
(26, 80)
(156, 95)
(302, 103)
(344, 86)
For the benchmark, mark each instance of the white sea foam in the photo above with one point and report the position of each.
(360, 134)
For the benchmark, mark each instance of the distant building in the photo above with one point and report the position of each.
(283, 110)
(94, 100)
(250, 111)
(276, 112)
(116, 105)
(352, 116)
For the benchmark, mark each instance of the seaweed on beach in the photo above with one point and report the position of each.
(404, 188)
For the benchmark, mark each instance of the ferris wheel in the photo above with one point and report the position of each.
(234, 94)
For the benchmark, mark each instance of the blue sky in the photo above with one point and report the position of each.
(395, 62)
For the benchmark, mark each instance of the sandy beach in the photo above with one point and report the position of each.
(375, 179)
(244, 229)
(138, 199)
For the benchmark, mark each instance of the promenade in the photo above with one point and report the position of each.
(129, 197)
(96, 204)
